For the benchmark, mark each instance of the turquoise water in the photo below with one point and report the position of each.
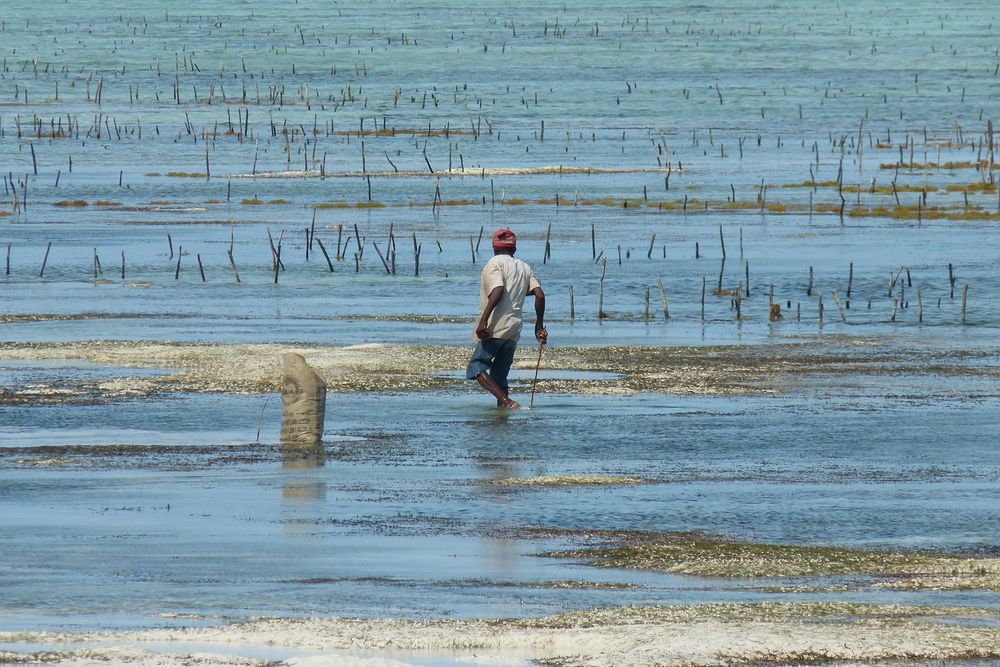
(703, 102)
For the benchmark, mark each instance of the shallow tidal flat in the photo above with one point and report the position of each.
(764, 432)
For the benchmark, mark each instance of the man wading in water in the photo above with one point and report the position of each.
(506, 281)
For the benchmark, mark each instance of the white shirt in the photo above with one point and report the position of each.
(517, 279)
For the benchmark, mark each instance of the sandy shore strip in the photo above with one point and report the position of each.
(711, 634)
(706, 370)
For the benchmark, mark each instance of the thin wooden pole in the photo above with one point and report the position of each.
(840, 306)
(663, 299)
(319, 241)
(703, 281)
(45, 259)
(534, 382)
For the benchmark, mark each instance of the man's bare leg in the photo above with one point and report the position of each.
(490, 385)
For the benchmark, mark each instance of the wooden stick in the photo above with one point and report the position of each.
(201, 268)
(663, 299)
(277, 263)
(534, 382)
(319, 241)
(384, 263)
(45, 259)
(703, 281)
(572, 311)
(177, 272)
(920, 307)
(232, 263)
(840, 306)
(600, 307)
(965, 298)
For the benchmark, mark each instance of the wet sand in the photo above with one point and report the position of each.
(699, 635)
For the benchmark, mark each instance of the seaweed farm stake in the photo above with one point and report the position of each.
(920, 307)
(572, 310)
(123, 265)
(663, 299)
(703, 281)
(649, 254)
(180, 252)
(809, 289)
(821, 309)
(600, 306)
(232, 262)
(319, 241)
(44, 259)
(8, 260)
(170, 244)
(277, 263)
(965, 298)
(384, 263)
(850, 282)
(840, 306)
(722, 242)
(201, 268)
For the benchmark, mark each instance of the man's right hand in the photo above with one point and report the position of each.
(542, 335)
(482, 329)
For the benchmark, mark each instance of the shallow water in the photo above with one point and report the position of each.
(116, 512)
(404, 521)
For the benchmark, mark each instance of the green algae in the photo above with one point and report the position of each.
(717, 370)
(707, 557)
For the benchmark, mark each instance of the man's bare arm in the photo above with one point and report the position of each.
(540, 332)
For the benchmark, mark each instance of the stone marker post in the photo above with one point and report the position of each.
(303, 407)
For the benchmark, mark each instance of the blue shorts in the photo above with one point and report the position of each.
(493, 356)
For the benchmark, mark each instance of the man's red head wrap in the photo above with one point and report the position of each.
(504, 239)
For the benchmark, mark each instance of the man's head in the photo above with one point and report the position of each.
(504, 242)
